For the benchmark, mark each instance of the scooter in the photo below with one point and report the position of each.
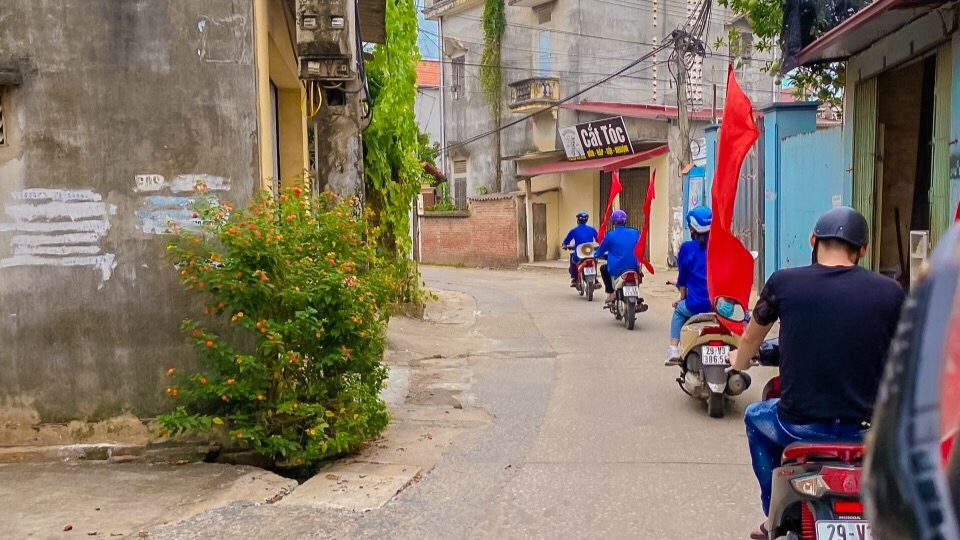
(627, 302)
(816, 489)
(586, 270)
(705, 346)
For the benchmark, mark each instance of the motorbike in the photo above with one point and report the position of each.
(705, 346)
(816, 489)
(627, 302)
(587, 281)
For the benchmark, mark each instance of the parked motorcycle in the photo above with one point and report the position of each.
(627, 302)
(816, 489)
(587, 281)
(705, 346)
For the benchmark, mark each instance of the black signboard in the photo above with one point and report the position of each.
(599, 139)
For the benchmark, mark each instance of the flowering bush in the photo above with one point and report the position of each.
(292, 353)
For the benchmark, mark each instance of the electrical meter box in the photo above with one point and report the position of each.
(327, 44)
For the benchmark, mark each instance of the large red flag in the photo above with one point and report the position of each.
(729, 264)
(641, 250)
(615, 188)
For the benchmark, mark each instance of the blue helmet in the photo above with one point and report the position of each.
(699, 219)
(618, 217)
(582, 217)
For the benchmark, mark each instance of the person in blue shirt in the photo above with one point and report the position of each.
(618, 246)
(692, 281)
(581, 234)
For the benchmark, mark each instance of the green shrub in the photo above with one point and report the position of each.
(295, 374)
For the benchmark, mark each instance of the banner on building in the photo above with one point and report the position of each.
(593, 140)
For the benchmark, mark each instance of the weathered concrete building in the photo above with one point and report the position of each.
(109, 113)
(554, 49)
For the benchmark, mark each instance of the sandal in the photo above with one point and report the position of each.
(760, 533)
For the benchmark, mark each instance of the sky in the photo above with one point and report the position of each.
(427, 40)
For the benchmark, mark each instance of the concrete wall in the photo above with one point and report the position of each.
(427, 110)
(485, 236)
(661, 214)
(122, 105)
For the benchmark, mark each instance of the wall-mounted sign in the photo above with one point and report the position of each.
(594, 140)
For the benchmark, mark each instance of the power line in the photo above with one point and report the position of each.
(668, 42)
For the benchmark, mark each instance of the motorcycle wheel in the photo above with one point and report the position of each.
(630, 317)
(715, 405)
(589, 292)
(580, 290)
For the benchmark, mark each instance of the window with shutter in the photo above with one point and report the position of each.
(459, 75)
(460, 184)
(544, 13)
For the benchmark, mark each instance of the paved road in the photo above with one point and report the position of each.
(590, 436)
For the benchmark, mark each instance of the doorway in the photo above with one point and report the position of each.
(635, 184)
(539, 232)
(905, 113)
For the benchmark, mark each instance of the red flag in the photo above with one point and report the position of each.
(641, 250)
(729, 264)
(615, 188)
(956, 217)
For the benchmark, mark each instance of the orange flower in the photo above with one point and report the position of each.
(209, 344)
(230, 382)
(171, 372)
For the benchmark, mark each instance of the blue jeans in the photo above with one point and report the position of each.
(680, 315)
(768, 435)
(573, 266)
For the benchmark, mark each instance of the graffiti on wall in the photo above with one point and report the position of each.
(58, 227)
(169, 203)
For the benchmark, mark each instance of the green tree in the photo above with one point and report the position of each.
(823, 83)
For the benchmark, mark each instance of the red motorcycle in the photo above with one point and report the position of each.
(587, 281)
(816, 489)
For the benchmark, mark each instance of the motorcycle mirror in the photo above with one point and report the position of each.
(730, 309)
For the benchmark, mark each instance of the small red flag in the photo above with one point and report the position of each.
(641, 250)
(729, 264)
(615, 188)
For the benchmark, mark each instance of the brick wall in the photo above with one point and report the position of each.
(486, 235)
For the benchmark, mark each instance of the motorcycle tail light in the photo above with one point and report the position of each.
(811, 486)
(630, 279)
(588, 263)
(715, 343)
(841, 480)
(714, 330)
(830, 479)
(848, 507)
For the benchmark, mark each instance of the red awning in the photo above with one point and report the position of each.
(604, 164)
(866, 27)
(634, 110)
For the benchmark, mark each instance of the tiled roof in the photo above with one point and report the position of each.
(428, 73)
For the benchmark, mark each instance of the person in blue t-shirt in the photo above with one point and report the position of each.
(692, 281)
(581, 234)
(618, 245)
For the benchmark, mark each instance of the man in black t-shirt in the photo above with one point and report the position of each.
(836, 323)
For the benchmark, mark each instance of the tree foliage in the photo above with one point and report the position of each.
(494, 25)
(824, 83)
(392, 142)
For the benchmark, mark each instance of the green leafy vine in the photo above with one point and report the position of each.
(393, 143)
(494, 25)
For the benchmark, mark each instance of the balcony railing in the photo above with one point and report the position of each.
(534, 94)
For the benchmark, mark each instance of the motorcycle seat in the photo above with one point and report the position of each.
(804, 452)
(702, 318)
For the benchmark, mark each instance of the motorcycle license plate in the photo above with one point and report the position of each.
(843, 530)
(631, 291)
(716, 356)
(589, 271)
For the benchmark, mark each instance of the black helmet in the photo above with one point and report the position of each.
(843, 223)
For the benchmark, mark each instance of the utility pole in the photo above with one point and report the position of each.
(683, 115)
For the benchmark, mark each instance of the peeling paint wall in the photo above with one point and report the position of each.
(123, 106)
